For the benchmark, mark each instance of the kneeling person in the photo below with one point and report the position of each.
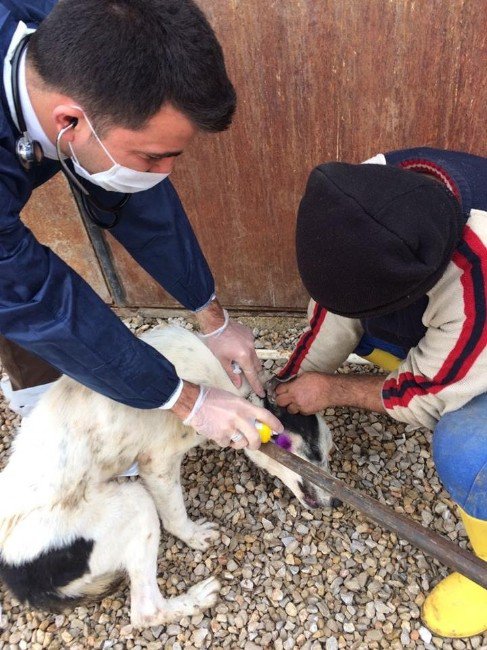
(394, 256)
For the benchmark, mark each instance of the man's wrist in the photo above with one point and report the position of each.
(211, 317)
(187, 399)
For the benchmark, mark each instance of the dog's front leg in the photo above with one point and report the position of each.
(148, 606)
(163, 480)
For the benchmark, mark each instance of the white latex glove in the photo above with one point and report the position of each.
(233, 343)
(219, 416)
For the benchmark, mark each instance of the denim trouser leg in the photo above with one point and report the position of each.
(460, 455)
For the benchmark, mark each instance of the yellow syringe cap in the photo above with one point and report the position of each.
(264, 430)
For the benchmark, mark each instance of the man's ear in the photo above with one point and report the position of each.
(67, 114)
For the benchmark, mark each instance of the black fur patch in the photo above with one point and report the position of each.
(304, 425)
(38, 581)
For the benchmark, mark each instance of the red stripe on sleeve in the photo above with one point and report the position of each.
(424, 386)
(305, 342)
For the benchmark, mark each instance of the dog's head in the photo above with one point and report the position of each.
(310, 438)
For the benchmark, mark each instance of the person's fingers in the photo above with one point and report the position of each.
(280, 389)
(237, 380)
(241, 441)
(265, 416)
(258, 367)
(248, 429)
(257, 363)
(283, 399)
(293, 408)
(254, 381)
(235, 377)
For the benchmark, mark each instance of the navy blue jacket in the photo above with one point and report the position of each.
(48, 309)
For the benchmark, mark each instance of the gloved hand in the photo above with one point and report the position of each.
(219, 416)
(233, 342)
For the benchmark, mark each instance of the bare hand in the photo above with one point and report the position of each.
(307, 394)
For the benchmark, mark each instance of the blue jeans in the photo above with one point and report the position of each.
(460, 455)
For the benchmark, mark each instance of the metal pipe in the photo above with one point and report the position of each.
(431, 543)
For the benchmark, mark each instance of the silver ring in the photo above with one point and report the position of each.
(236, 437)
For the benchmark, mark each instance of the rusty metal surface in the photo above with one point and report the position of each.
(318, 80)
(53, 217)
(139, 288)
(431, 543)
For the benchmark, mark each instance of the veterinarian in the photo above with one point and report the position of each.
(394, 257)
(112, 92)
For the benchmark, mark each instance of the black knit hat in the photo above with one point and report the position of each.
(372, 239)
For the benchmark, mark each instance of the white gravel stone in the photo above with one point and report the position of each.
(331, 643)
(291, 609)
(425, 634)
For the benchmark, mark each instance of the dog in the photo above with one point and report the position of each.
(69, 532)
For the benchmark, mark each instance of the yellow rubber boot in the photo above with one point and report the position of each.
(457, 607)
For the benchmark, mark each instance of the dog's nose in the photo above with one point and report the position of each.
(335, 503)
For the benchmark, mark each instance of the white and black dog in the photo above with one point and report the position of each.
(68, 531)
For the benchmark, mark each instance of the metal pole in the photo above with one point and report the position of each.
(431, 543)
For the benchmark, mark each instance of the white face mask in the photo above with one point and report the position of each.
(117, 178)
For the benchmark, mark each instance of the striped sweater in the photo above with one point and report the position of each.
(445, 363)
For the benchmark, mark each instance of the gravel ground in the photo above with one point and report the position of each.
(291, 578)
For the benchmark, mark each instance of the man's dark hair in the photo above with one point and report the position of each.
(122, 60)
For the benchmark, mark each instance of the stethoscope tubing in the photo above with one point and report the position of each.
(87, 200)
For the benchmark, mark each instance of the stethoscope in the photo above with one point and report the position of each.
(29, 152)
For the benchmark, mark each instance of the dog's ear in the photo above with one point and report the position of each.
(270, 389)
(268, 380)
(271, 385)
(278, 411)
(265, 377)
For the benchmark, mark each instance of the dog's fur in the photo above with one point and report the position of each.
(68, 532)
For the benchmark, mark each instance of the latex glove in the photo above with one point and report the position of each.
(233, 342)
(219, 415)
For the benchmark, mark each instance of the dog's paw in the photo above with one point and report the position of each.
(204, 594)
(193, 602)
(200, 534)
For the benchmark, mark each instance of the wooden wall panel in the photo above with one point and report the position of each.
(54, 219)
(319, 80)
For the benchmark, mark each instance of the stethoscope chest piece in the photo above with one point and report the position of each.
(28, 151)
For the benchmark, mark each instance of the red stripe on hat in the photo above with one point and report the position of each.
(305, 342)
(425, 166)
